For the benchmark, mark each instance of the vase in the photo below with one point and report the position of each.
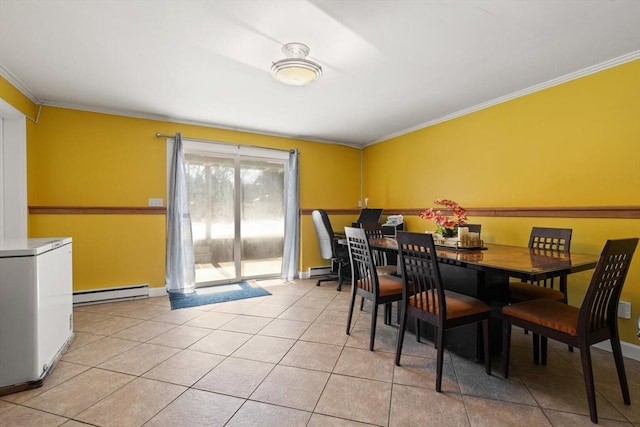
(449, 232)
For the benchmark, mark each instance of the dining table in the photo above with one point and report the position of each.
(484, 273)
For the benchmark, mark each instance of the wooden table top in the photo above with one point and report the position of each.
(532, 264)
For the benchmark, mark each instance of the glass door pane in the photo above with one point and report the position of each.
(211, 183)
(262, 223)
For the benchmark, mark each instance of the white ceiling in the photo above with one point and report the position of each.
(388, 66)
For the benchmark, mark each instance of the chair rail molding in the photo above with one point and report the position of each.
(616, 212)
(97, 210)
(619, 212)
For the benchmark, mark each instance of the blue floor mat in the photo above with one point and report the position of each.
(216, 294)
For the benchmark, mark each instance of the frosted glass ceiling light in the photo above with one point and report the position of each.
(295, 69)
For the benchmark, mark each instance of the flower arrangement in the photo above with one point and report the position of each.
(446, 225)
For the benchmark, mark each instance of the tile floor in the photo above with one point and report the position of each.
(285, 360)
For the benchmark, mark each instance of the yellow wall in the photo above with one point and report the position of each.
(78, 158)
(576, 144)
(109, 250)
(88, 159)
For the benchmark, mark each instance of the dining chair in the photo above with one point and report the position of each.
(373, 230)
(329, 248)
(549, 242)
(594, 321)
(424, 297)
(365, 281)
(552, 242)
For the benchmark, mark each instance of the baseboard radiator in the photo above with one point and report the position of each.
(319, 271)
(96, 296)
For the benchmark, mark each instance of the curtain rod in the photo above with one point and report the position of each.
(161, 135)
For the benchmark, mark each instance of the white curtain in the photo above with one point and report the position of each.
(291, 220)
(180, 267)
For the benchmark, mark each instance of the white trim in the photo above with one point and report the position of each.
(158, 292)
(630, 351)
(536, 88)
(314, 272)
(135, 114)
(15, 82)
(94, 296)
(212, 125)
(8, 111)
(13, 172)
(150, 116)
(319, 271)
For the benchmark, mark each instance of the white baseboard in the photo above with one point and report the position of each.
(629, 350)
(96, 296)
(303, 274)
(158, 292)
(316, 271)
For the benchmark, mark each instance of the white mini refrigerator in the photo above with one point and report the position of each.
(36, 309)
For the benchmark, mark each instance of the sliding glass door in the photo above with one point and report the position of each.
(261, 217)
(237, 213)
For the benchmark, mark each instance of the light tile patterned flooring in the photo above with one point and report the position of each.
(285, 360)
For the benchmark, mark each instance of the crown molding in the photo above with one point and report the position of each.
(8, 76)
(532, 89)
(148, 116)
(167, 119)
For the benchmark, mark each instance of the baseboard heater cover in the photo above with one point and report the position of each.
(319, 271)
(95, 296)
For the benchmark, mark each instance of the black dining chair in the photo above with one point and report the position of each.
(373, 230)
(329, 248)
(550, 242)
(545, 241)
(593, 322)
(365, 281)
(424, 297)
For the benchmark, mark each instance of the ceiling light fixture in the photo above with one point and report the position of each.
(295, 69)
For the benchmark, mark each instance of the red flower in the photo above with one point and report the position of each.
(458, 219)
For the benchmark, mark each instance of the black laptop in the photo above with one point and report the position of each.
(368, 215)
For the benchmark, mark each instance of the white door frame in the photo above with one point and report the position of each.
(13, 172)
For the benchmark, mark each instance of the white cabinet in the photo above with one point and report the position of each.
(36, 309)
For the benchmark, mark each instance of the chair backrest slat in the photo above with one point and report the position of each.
(550, 239)
(552, 242)
(363, 269)
(600, 305)
(422, 283)
(373, 230)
